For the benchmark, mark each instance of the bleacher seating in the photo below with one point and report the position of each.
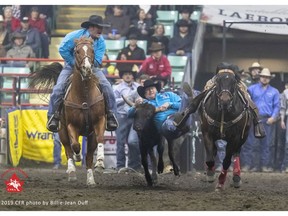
(177, 63)
(8, 82)
(169, 30)
(167, 17)
(177, 76)
(114, 46)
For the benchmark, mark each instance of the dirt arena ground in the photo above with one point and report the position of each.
(48, 190)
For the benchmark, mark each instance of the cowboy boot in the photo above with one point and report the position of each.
(181, 117)
(53, 123)
(259, 131)
(111, 122)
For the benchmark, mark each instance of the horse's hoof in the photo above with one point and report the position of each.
(237, 181)
(72, 176)
(210, 176)
(219, 187)
(99, 169)
(91, 183)
(77, 158)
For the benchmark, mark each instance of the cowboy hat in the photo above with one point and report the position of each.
(126, 68)
(255, 65)
(148, 83)
(94, 20)
(18, 35)
(265, 72)
(156, 46)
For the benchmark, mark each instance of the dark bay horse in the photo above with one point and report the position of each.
(83, 110)
(224, 115)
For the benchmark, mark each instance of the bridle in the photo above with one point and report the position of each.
(79, 62)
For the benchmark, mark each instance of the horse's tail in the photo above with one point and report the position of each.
(46, 76)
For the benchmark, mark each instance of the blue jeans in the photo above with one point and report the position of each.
(221, 152)
(257, 151)
(134, 158)
(59, 89)
(285, 160)
(122, 133)
(57, 149)
(169, 130)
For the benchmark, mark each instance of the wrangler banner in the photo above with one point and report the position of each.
(28, 136)
(215, 14)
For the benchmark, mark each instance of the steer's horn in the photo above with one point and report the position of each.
(130, 103)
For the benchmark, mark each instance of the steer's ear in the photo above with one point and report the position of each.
(130, 103)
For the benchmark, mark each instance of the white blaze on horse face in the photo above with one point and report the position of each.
(86, 63)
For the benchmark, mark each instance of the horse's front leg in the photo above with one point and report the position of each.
(236, 171)
(91, 146)
(71, 169)
(74, 142)
(223, 174)
(211, 152)
(99, 131)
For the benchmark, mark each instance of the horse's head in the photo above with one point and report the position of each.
(225, 88)
(84, 56)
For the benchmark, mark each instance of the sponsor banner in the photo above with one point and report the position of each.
(215, 14)
(15, 136)
(38, 140)
(28, 137)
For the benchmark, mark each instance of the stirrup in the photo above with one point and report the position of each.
(53, 124)
(259, 131)
(113, 118)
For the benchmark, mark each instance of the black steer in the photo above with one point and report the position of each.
(148, 138)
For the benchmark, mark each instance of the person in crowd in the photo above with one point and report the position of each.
(123, 65)
(57, 151)
(16, 11)
(11, 23)
(5, 43)
(91, 28)
(125, 124)
(267, 100)
(132, 51)
(252, 76)
(284, 125)
(20, 50)
(159, 36)
(181, 44)
(151, 12)
(157, 66)
(40, 24)
(119, 24)
(46, 13)
(185, 14)
(141, 26)
(32, 36)
(106, 67)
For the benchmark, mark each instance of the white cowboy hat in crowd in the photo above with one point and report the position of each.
(265, 72)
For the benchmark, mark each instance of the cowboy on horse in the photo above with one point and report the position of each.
(259, 130)
(93, 29)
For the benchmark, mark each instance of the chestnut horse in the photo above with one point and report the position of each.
(83, 112)
(224, 115)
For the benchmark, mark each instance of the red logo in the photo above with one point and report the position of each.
(14, 183)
